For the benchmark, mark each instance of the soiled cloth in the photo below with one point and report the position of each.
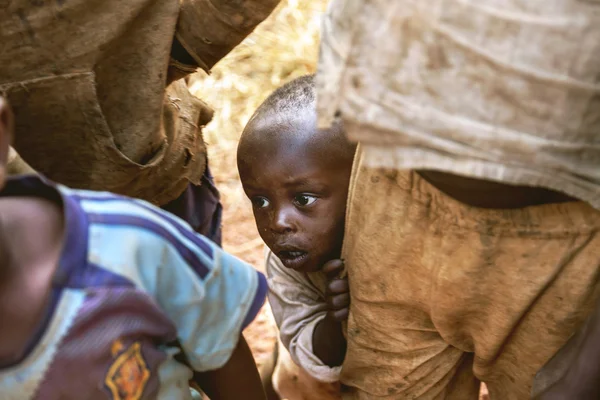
(88, 81)
(444, 295)
(501, 90)
(298, 304)
(198, 205)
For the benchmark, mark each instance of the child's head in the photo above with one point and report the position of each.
(6, 132)
(296, 176)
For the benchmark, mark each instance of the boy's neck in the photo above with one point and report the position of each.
(31, 236)
(30, 230)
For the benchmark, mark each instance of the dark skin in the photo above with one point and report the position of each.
(297, 179)
(241, 369)
(31, 242)
(31, 233)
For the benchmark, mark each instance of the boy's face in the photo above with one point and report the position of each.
(298, 194)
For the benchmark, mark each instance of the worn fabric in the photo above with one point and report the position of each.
(132, 281)
(444, 295)
(88, 84)
(507, 91)
(298, 304)
(200, 206)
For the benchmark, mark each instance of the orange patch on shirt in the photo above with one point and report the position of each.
(117, 347)
(128, 374)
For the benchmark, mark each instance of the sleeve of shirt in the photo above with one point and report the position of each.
(298, 306)
(209, 29)
(210, 295)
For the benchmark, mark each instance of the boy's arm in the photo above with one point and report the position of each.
(299, 307)
(237, 379)
(329, 342)
(207, 30)
(209, 295)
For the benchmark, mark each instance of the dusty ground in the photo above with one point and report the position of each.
(281, 49)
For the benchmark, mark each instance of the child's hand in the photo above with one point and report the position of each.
(329, 343)
(337, 291)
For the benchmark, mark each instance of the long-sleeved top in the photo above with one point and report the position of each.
(298, 303)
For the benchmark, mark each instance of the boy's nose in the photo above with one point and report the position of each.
(283, 222)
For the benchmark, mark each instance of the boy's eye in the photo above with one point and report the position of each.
(304, 200)
(260, 202)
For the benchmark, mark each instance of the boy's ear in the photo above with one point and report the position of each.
(6, 133)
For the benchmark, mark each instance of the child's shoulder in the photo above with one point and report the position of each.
(125, 233)
(117, 212)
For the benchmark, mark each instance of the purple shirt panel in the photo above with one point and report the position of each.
(109, 323)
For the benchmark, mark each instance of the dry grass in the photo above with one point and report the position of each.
(283, 47)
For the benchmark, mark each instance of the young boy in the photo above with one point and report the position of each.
(297, 179)
(100, 293)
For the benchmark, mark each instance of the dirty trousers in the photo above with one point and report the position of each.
(444, 295)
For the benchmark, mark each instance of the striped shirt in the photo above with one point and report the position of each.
(132, 281)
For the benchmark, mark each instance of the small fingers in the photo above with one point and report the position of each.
(333, 268)
(339, 315)
(337, 286)
(339, 301)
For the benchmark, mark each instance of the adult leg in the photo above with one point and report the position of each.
(395, 351)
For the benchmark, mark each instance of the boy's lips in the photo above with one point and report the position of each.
(292, 258)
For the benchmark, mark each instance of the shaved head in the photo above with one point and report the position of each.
(275, 122)
(291, 97)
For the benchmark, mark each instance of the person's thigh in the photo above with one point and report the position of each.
(544, 285)
(395, 350)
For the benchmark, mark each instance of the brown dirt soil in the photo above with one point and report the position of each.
(284, 47)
